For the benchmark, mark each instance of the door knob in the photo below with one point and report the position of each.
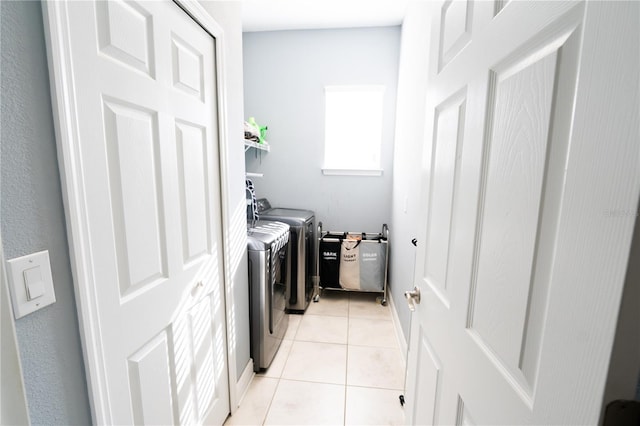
(413, 298)
(197, 288)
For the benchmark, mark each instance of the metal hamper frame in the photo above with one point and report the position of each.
(370, 238)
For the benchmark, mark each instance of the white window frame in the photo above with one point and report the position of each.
(331, 168)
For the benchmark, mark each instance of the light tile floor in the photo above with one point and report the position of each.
(340, 363)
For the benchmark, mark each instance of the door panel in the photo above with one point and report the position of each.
(447, 147)
(124, 33)
(150, 381)
(427, 374)
(463, 418)
(522, 179)
(455, 33)
(187, 67)
(131, 138)
(512, 195)
(206, 364)
(193, 174)
(500, 295)
(499, 5)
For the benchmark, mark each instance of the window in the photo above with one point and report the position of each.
(353, 130)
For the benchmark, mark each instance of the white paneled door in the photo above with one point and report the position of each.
(530, 192)
(144, 208)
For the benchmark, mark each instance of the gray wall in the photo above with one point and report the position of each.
(284, 77)
(33, 219)
(405, 213)
(13, 400)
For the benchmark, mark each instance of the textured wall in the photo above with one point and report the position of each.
(405, 206)
(33, 219)
(13, 400)
(284, 74)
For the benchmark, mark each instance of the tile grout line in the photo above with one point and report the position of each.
(266, 414)
(293, 340)
(346, 367)
(348, 344)
(375, 388)
(288, 379)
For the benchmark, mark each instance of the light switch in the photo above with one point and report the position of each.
(31, 283)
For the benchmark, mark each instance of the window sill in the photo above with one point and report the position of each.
(352, 172)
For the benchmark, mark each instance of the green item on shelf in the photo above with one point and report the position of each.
(263, 133)
(261, 129)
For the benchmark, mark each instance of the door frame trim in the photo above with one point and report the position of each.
(63, 99)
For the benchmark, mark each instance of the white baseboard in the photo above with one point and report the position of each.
(402, 342)
(243, 383)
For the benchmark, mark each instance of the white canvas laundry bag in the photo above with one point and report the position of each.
(350, 265)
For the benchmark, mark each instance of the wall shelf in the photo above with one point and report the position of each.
(259, 146)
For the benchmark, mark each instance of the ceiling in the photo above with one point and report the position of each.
(273, 15)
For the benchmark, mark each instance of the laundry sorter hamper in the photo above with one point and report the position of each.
(353, 261)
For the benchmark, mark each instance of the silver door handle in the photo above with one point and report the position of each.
(413, 298)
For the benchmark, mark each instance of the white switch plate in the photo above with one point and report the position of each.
(21, 272)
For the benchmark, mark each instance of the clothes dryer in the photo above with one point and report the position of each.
(303, 251)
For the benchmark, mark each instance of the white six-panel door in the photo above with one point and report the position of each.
(147, 170)
(532, 138)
